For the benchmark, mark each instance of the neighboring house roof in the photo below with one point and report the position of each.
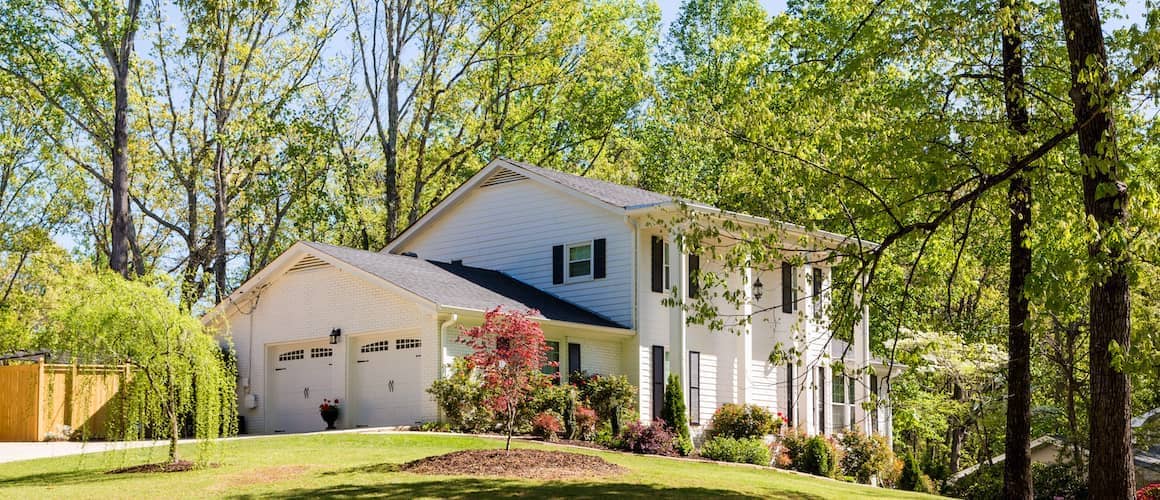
(446, 285)
(1036, 444)
(611, 193)
(612, 196)
(460, 286)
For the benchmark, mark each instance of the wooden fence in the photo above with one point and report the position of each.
(39, 399)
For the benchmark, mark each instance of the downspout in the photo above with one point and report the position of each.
(439, 344)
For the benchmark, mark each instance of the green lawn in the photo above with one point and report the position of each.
(362, 465)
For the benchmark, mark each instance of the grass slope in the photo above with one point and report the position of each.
(363, 465)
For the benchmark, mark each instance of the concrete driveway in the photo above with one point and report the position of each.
(15, 452)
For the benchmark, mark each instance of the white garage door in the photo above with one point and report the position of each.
(387, 388)
(301, 376)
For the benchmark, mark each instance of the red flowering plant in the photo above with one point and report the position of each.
(1150, 492)
(508, 350)
(328, 405)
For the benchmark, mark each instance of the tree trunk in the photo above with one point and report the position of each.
(1111, 473)
(957, 433)
(1017, 481)
(119, 224)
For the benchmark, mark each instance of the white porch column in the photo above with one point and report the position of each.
(678, 351)
(745, 340)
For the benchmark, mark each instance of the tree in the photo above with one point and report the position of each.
(73, 55)
(673, 411)
(509, 351)
(179, 371)
(1105, 200)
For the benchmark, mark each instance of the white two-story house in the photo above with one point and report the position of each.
(375, 329)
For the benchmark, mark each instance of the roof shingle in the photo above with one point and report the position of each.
(456, 285)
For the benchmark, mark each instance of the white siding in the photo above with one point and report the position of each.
(306, 305)
(512, 228)
(764, 388)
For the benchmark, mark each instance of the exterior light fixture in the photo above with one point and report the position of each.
(334, 335)
(758, 289)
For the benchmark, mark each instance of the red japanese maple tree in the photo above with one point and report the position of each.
(509, 350)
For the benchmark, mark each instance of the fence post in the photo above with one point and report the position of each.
(38, 412)
(72, 398)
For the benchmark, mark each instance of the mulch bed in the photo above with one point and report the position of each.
(522, 464)
(178, 466)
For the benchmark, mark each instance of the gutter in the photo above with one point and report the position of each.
(439, 375)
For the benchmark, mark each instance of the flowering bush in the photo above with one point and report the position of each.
(610, 396)
(1150, 492)
(461, 398)
(585, 423)
(652, 439)
(328, 405)
(547, 425)
(743, 421)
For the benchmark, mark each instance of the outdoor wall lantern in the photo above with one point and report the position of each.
(758, 289)
(334, 335)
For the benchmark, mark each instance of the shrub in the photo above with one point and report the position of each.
(791, 447)
(818, 457)
(605, 438)
(611, 396)
(673, 408)
(865, 457)
(569, 414)
(683, 445)
(727, 449)
(585, 423)
(547, 425)
(652, 439)
(911, 479)
(1051, 481)
(460, 397)
(742, 421)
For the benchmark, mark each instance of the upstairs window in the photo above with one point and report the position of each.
(579, 261)
(788, 288)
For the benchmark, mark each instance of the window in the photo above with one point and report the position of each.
(321, 352)
(843, 404)
(381, 345)
(788, 288)
(553, 355)
(292, 355)
(820, 399)
(694, 387)
(408, 343)
(579, 261)
(667, 264)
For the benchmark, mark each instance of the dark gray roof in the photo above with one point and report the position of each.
(456, 285)
(608, 192)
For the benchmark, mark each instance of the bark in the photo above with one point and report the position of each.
(119, 54)
(957, 433)
(1111, 473)
(1017, 480)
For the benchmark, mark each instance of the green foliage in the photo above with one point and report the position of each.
(819, 457)
(1051, 481)
(180, 373)
(673, 411)
(460, 397)
(728, 449)
(612, 396)
(865, 457)
(743, 421)
(912, 477)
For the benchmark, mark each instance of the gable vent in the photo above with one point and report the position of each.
(307, 263)
(502, 176)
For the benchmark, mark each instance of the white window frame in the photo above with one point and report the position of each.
(847, 419)
(568, 278)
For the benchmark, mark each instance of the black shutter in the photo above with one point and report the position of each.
(787, 288)
(557, 264)
(573, 358)
(789, 394)
(694, 387)
(598, 259)
(658, 380)
(694, 269)
(658, 264)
